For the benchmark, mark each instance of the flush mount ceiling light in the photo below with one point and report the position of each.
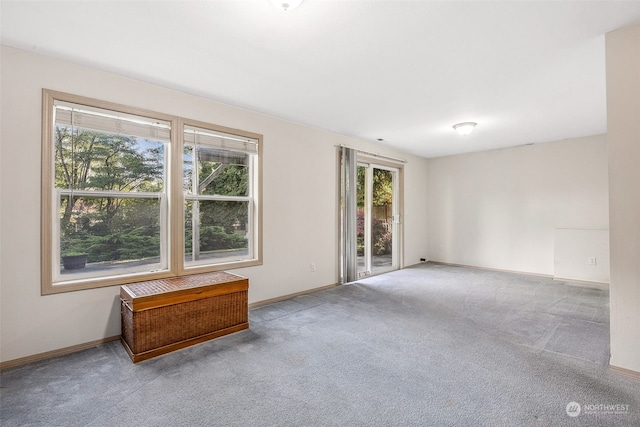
(465, 128)
(286, 5)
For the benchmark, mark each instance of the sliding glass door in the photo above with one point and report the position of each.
(370, 214)
(377, 219)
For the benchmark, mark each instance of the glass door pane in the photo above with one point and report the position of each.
(382, 220)
(376, 211)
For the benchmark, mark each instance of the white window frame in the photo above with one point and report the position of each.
(172, 203)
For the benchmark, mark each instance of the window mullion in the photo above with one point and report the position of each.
(177, 197)
(164, 232)
(55, 253)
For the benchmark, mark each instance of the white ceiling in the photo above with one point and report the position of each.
(403, 71)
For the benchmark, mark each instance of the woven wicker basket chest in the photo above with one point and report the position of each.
(164, 315)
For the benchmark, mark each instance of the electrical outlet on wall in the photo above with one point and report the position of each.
(592, 260)
(312, 267)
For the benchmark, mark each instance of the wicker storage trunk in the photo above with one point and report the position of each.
(163, 315)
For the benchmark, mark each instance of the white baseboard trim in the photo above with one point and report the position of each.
(599, 285)
(626, 372)
(289, 296)
(528, 273)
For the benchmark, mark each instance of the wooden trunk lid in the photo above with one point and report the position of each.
(163, 292)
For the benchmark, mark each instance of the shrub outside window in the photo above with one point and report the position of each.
(114, 208)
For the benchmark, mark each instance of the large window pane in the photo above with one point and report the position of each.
(216, 230)
(114, 234)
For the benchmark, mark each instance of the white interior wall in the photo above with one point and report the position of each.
(300, 202)
(623, 116)
(581, 255)
(500, 209)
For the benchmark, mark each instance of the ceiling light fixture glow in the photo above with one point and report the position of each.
(286, 5)
(465, 128)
